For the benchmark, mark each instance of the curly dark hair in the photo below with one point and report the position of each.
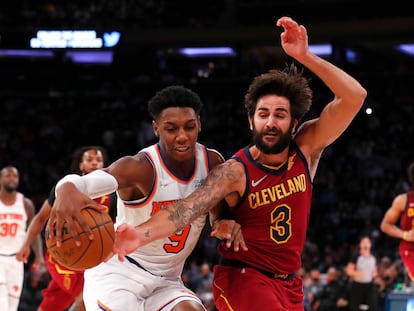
(78, 154)
(173, 96)
(289, 83)
(410, 174)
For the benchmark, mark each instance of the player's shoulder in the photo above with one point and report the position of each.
(28, 203)
(139, 159)
(215, 157)
(400, 199)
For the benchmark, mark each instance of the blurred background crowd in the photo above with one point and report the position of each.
(50, 106)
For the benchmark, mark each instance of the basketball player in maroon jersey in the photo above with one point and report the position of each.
(402, 211)
(267, 185)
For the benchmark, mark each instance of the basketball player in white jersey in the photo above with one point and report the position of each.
(150, 277)
(16, 212)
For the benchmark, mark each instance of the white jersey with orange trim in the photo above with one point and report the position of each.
(166, 257)
(13, 222)
(150, 277)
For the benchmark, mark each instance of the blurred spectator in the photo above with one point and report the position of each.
(333, 296)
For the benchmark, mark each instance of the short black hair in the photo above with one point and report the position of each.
(173, 96)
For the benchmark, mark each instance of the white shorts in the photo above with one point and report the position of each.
(123, 286)
(11, 279)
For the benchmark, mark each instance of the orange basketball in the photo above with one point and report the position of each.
(91, 252)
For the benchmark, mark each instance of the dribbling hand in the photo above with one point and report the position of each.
(66, 212)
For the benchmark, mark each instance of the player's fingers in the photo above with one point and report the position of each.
(121, 228)
(121, 258)
(234, 235)
(56, 231)
(237, 238)
(24, 256)
(19, 257)
(220, 235)
(71, 229)
(96, 206)
(50, 226)
(80, 219)
(119, 252)
(239, 241)
(110, 255)
(222, 229)
(229, 242)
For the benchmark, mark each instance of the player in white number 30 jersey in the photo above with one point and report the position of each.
(16, 212)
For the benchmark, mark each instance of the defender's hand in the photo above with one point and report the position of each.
(231, 232)
(126, 241)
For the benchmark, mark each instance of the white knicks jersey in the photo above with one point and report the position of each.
(13, 221)
(166, 257)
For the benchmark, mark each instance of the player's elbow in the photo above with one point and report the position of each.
(383, 226)
(360, 95)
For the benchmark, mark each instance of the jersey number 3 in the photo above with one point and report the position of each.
(280, 231)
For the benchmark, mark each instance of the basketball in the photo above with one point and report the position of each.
(91, 252)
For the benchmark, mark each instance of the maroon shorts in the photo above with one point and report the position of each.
(64, 287)
(246, 289)
(407, 257)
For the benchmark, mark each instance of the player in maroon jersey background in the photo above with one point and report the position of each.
(402, 211)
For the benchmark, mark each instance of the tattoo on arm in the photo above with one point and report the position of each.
(222, 180)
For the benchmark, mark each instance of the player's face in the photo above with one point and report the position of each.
(272, 124)
(91, 160)
(9, 179)
(177, 129)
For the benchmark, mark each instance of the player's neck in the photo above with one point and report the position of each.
(271, 160)
(182, 169)
(8, 197)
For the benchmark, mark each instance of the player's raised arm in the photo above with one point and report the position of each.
(349, 95)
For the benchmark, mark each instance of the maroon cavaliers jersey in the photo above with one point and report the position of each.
(273, 213)
(407, 220)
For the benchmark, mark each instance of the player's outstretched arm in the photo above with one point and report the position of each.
(225, 179)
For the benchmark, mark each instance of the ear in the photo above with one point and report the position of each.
(155, 128)
(295, 125)
(250, 123)
(199, 124)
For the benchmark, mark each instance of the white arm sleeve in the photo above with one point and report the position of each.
(94, 184)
